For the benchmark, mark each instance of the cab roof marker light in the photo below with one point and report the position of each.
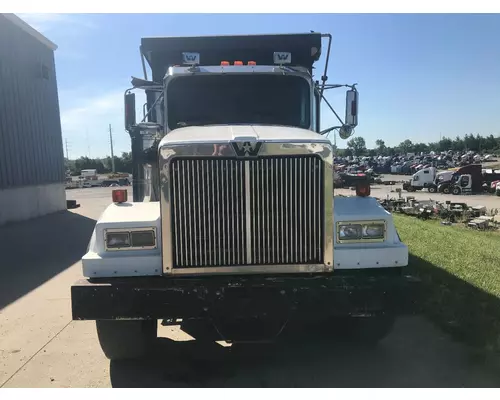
(252, 63)
(224, 63)
(238, 63)
(363, 189)
(119, 196)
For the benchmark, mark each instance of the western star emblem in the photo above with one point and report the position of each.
(247, 149)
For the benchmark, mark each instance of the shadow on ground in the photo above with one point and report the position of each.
(468, 313)
(33, 252)
(415, 354)
(432, 349)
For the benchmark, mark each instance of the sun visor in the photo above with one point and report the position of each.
(164, 52)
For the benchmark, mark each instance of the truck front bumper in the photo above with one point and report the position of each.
(344, 292)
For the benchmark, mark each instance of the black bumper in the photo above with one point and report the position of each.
(339, 293)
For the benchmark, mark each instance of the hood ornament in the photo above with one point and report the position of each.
(246, 149)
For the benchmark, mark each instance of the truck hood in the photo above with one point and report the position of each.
(251, 133)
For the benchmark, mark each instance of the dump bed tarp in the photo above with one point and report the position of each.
(163, 52)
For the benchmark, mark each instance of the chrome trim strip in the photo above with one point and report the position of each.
(257, 269)
(204, 225)
(248, 213)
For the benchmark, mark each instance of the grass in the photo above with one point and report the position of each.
(460, 273)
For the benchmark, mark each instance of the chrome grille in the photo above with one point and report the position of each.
(232, 212)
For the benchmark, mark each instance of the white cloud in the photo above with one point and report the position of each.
(85, 122)
(45, 23)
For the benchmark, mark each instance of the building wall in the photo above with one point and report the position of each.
(31, 149)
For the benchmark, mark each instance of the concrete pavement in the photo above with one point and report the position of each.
(41, 347)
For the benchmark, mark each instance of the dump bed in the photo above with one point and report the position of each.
(163, 52)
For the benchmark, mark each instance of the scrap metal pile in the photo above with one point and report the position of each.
(448, 212)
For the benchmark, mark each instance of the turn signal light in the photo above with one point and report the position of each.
(119, 195)
(363, 189)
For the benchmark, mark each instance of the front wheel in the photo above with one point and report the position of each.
(124, 339)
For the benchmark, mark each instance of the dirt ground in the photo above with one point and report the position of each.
(382, 191)
(40, 346)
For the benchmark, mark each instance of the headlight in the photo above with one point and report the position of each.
(374, 231)
(143, 239)
(130, 239)
(117, 240)
(361, 231)
(350, 232)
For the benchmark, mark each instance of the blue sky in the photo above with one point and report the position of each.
(419, 75)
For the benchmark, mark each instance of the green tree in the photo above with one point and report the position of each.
(381, 147)
(406, 146)
(357, 145)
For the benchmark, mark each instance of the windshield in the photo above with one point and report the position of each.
(238, 99)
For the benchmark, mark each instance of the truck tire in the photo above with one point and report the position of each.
(124, 339)
(446, 190)
(365, 330)
(456, 191)
(432, 189)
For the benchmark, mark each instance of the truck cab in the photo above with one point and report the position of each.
(422, 179)
(233, 218)
(467, 179)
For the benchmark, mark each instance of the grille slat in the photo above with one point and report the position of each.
(231, 212)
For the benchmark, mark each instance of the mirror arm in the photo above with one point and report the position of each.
(331, 108)
(324, 78)
(329, 130)
(160, 97)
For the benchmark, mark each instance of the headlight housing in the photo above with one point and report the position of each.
(130, 239)
(361, 231)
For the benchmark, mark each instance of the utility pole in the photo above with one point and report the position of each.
(112, 156)
(66, 145)
(88, 142)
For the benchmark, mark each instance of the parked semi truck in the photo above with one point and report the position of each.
(233, 220)
(468, 179)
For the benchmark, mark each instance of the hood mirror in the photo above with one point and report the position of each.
(351, 108)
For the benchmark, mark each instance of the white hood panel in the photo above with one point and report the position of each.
(250, 133)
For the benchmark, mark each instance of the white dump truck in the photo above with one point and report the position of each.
(233, 218)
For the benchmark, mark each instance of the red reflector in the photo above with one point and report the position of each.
(120, 195)
(363, 189)
(238, 63)
(224, 63)
(252, 63)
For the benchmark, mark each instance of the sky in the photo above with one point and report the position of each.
(419, 76)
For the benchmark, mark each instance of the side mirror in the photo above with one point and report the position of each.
(345, 131)
(351, 108)
(130, 118)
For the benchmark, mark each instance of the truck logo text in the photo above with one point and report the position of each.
(246, 149)
(281, 57)
(191, 58)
